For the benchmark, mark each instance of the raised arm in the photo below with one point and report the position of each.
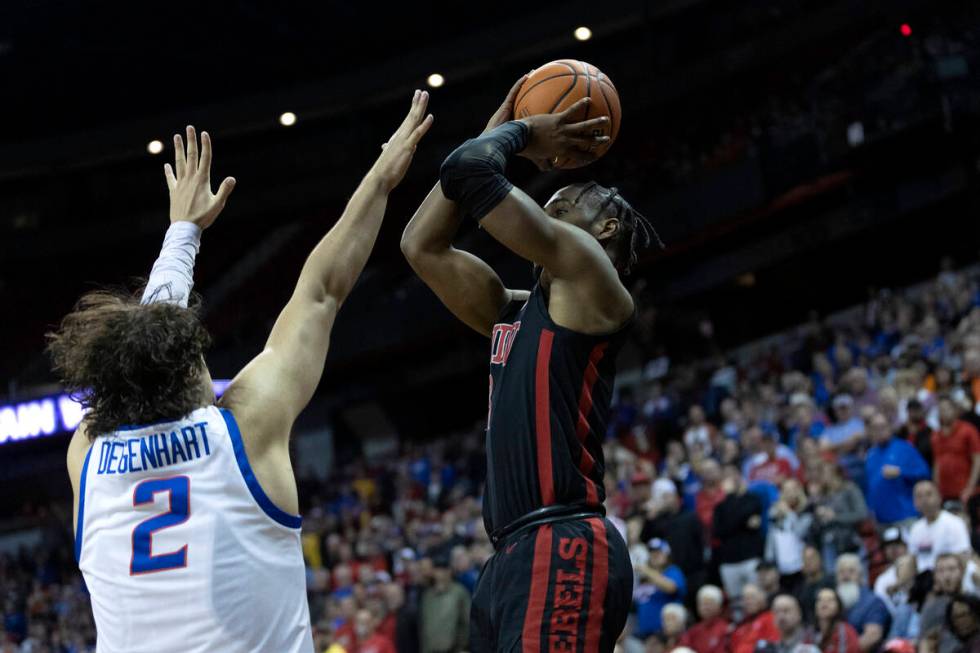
(468, 287)
(269, 393)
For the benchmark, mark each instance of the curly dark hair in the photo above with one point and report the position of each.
(127, 363)
(635, 231)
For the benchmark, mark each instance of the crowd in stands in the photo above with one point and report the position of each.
(817, 493)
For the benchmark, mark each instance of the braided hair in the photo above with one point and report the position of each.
(635, 230)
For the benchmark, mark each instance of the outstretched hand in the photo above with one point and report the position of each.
(397, 153)
(189, 181)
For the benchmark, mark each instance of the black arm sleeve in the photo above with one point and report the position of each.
(473, 175)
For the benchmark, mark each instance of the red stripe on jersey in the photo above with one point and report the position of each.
(540, 577)
(542, 398)
(600, 580)
(587, 462)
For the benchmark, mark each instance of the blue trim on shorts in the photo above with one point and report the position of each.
(261, 498)
(81, 507)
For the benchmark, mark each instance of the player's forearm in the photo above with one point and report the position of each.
(337, 261)
(172, 276)
(433, 227)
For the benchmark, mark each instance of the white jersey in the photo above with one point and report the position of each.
(927, 541)
(182, 550)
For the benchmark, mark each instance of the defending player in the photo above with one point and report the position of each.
(187, 530)
(561, 577)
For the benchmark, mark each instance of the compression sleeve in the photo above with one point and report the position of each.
(473, 175)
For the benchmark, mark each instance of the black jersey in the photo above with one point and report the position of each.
(550, 394)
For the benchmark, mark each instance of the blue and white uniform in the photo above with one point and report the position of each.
(180, 547)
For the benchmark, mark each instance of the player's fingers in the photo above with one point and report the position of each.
(205, 165)
(224, 191)
(515, 89)
(180, 159)
(407, 123)
(586, 141)
(168, 172)
(191, 150)
(418, 108)
(420, 131)
(576, 107)
(587, 126)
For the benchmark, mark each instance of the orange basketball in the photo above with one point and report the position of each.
(557, 85)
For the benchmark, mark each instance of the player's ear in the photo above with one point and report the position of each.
(606, 228)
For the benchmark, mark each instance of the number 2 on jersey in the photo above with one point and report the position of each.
(179, 490)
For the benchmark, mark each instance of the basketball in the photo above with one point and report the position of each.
(557, 85)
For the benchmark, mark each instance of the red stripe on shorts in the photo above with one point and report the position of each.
(600, 580)
(540, 577)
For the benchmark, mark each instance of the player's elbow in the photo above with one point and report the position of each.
(411, 244)
(473, 177)
(467, 162)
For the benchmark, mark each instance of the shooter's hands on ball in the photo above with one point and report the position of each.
(554, 136)
(397, 153)
(189, 181)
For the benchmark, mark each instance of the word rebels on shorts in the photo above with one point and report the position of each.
(569, 593)
(152, 451)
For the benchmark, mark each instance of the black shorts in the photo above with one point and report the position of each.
(565, 586)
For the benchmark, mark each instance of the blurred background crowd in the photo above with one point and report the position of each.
(818, 488)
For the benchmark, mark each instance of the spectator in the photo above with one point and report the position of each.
(757, 625)
(660, 583)
(709, 496)
(835, 634)
(445, 612)
(775, 463)
(947, 580)
(700, 435)
(345, 632)
(804, 421)
(681, 530)
(893, 467)
(402, 622)
(937, 531)
(956, 452)
(368, 637)
(845, 438)
(839, 508)
(814, 580)
(465, 572)
(710, 635)
(846, 434)
(865, 611)
(737, 521)
(790, 522)
(893, 585)
(916, 431)
(963, 620)
(673, 617)
(793, 636)
(767, 578)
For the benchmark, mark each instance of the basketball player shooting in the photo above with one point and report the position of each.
(560, 578)
(187, 530)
